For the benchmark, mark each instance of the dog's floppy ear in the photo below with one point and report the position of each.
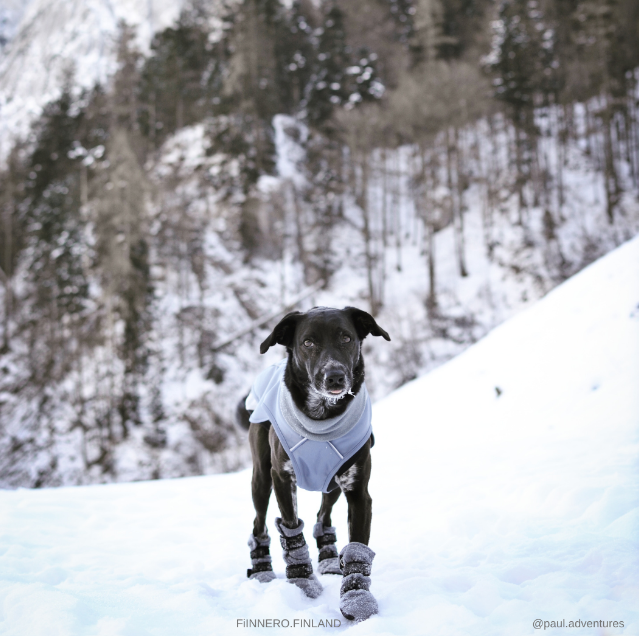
(282, 333)
(365, 324)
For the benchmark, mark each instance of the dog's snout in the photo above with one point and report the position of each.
(335, 378)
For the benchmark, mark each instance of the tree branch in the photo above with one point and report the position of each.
(268, 317)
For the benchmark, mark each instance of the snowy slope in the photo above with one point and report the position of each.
(490, 510)
(56, 35)
(11, 12)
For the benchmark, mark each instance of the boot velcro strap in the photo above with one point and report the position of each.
(354, 582)
(258, 568)
(328, 552)
(327, 538)
(293, 542)
(355, 567)
(260, 551)
(299, 570)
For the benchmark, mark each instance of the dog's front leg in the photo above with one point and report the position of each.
(354, 484)
(284, 482)
(356, 558)
(299, 570)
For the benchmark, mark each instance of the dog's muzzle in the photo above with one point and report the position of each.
(336, 382)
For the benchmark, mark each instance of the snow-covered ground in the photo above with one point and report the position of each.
(505, 490)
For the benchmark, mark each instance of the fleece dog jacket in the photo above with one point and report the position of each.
(315, 462)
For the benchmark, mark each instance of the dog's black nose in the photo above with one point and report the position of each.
(334, 378)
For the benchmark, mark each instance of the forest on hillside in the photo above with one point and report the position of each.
(152, 226)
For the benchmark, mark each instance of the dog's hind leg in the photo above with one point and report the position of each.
(324, 534)
(261, 482)
(261, 486)
(326, 508)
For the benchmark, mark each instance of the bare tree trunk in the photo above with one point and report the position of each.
(454, 196)
(590, 151)
(431, 300)
(397, 213)
(299, 235)
(363, 203)
(111, 371)
(426, 214)
(537, 179)
(459, 208)
(484, 181)
(6, 266)
(634, 133)
(80, 363)
(153, 121)
(561, 137)
(519, 183)
(179, 113)
(610, 174)
(492, 178)
(628, 130)
(381, 276)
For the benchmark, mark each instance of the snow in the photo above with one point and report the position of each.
(491, 509)
(11, 12)
(54, 36)
(290, 152)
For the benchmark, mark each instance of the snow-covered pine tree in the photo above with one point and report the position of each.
(342, 76)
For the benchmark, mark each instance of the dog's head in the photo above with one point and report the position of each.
(325, 345)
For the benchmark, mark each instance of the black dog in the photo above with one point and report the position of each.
(324, 376)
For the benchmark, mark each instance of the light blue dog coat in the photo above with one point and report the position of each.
(315, 463)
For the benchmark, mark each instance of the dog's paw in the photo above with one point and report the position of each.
(263, 576)
(329, 566)
(358, 605)
(310, 586)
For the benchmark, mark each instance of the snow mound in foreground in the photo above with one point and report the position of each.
(504, 484)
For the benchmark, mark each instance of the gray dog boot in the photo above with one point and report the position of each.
(262, 569)
(356, 601)
(328, 560)
(299, 570)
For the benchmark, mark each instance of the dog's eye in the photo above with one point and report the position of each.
(346, 339)
(308, 343)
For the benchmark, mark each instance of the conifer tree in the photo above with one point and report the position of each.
(522, 68)
(295, 53)
(123, 261)
(342, 76)
(12, 233)
(595, 39)
(179, 80)
(55, 240)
